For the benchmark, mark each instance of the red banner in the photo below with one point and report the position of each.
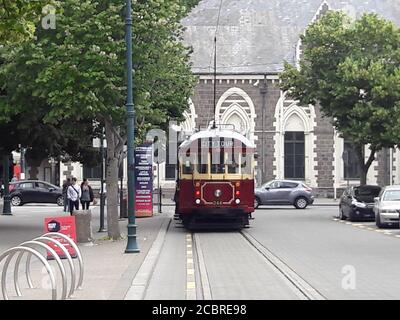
(144, 180)
(66, 226)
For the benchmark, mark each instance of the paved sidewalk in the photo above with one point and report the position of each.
(108, 271)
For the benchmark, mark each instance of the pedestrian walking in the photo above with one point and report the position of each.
(176, 200)
(1, 189)
(65, 186)
(74, 194)
(87, 194)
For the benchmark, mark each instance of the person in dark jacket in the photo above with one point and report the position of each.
(87, 194)
(65, 186)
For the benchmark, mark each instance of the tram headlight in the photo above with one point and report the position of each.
(197, 201)
(237, 201)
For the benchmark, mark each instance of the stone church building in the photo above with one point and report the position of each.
(255, 37)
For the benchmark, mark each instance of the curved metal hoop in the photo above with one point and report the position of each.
(10, 253)
(54, 254)
(67, 255)
(78, 253)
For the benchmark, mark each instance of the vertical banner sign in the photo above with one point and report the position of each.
(144, 180)
(66, 226)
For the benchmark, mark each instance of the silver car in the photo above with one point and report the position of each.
(284, 192)
(387, 207)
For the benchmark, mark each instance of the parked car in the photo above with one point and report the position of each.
(357, 203)
(284, 192)
(33, 191)
(387, 207)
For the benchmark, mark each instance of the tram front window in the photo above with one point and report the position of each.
(202, 168)
(217, 163)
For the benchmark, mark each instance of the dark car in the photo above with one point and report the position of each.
(357, 203)
(23, 192)
(283, 192)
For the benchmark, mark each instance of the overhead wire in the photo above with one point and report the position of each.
(215, 62)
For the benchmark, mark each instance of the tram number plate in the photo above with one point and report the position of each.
(217, 203)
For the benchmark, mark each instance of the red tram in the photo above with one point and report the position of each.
(216, 179)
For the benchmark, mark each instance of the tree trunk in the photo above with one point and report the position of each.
(112, 183)
(363, 176)
(364, 166)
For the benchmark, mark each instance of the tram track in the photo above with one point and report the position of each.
(275, 267)
(295, 280)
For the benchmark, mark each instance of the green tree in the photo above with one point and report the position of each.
(189, 4)
(351, 69)
(18, 18)
(79, 70)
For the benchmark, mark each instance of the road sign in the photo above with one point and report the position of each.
(64, 225)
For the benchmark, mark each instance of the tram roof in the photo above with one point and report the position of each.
(217, 133)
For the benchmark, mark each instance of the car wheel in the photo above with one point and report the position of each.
(16, 201)
(341, 214)
(256, 202)
(60, 201)
(301, 203)
(378, 222)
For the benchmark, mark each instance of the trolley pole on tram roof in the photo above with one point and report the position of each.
(132, 245)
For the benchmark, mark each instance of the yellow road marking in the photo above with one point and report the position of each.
(190, 271)
(190, 285)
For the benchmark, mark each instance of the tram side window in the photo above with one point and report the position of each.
(246, 163)
(187, 167)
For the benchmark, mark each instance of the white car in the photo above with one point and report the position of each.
(387, 207)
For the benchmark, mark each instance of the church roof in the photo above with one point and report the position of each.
(257, 36)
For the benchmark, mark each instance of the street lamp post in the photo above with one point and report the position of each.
(23, 164)
(102, 198)
(7, 200)
(132, 245)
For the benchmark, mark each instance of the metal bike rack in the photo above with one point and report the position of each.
(42, 242)
(78, 254)
(11, 252)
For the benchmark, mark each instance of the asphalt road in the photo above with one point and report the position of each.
(342, 260)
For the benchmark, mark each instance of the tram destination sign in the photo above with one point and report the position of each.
(206, 143)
